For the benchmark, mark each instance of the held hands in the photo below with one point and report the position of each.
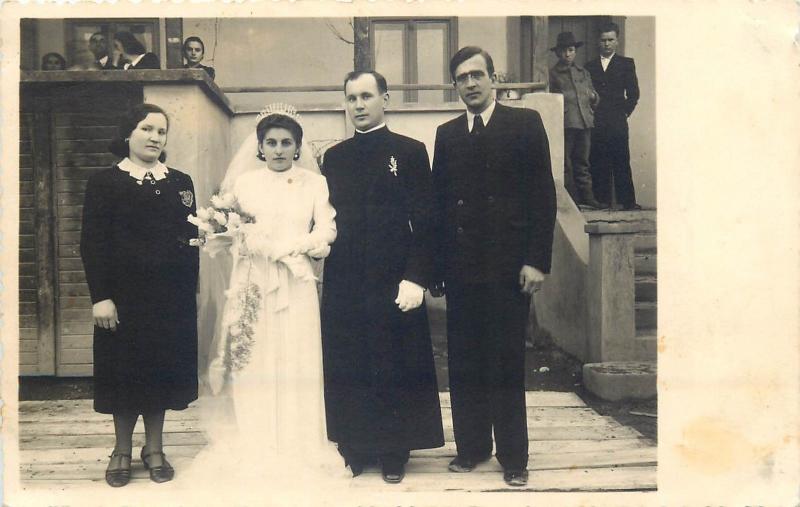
(530, 279)
(409, 295)
(104, 314)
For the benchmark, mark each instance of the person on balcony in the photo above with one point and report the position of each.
(142, 274)
(53, 61)
(575, 84)
(131, 54)
(614, 78)
(99, 48)
(496, 208)
(381, 391)
(193, 51)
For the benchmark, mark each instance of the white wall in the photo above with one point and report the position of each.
(488, 33)
(640, 45)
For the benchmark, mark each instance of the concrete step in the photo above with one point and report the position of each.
(644, 263)
(646, 288)
(646, 314)
(621, 380)
(645, 345)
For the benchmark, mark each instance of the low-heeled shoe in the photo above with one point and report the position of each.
(161, 473)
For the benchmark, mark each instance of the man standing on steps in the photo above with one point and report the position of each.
(614, 78)
(495, 201)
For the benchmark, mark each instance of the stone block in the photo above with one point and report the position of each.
(621, 380)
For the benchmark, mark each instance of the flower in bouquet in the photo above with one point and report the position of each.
(223, 217)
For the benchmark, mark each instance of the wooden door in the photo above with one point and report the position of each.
(74, 125)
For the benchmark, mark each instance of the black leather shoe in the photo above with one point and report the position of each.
(592, 204)
(393, 474)
(161, 473)
(120, 475)
(356, 469)
(516, 478)
(631, 207)
(462, 464)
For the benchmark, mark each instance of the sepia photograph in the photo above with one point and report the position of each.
(298, 259)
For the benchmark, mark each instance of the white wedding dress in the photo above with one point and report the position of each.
(278, 435)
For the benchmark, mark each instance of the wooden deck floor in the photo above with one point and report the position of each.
(572, 448)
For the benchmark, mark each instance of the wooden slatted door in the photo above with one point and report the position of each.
(64, 137)
(81, 149)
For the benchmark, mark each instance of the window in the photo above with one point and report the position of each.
(415, 51)
(78, 31)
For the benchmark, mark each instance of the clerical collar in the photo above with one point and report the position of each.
(609, 57)
(486, 115)
(373, 129)
(103, 61)
(134, 61)
(159, 171)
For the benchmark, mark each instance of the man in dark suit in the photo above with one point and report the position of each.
(98, 45)
(614, 78)
(495, 200)
(381, 394)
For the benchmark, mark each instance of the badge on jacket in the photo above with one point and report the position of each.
(187, 198)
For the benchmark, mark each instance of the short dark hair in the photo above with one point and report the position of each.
(127, 123)
(193, 38)
(280, 121)
(351, 76)
(130, 44)
(61, 61)
(465, 54)
(608, 26)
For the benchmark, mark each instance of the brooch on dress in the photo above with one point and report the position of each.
(393, 165)
(187, 198)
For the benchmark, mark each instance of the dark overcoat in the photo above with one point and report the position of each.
(380, 382)
(135, 250)
(496, 211)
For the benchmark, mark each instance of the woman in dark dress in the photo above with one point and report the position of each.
(193, 51)
(142, 275)
(131, 53)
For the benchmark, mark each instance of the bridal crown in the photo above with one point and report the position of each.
(279, 108)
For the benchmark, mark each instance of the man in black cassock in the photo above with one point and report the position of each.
(381, 394)
(495, 200)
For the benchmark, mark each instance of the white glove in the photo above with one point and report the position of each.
(319, 251)
(409, 295)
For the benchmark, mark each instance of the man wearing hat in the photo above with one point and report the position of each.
(580, 98)
(614, 78)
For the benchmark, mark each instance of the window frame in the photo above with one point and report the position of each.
(113, 25)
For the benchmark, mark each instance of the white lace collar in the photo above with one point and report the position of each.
(137, 172)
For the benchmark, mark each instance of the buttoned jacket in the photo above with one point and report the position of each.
(575, 84)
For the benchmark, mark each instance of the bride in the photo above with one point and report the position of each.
(268, 350)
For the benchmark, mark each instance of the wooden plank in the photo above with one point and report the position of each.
(26, 333)
(27, 187)
(70, 211)
(537, 399)
(45, 224)
(82, 327)
(77, 341)
(105, 426)
(27, 225)
(75, 370)
(105, 132)
(28, 321)
(28, 345)
(25, 173)
(74, 303)
(553, 446)
(27, 201)
(28, 283)
(74, 289)
(29, 358)
(557, 416)
(83, 145)
(73, 119)
(70, 264)
(67, 161)
(579, 479)
(591, 459)
(75, 356)
(28, 369)
(26, 160)
(69, 238)
(77, 186)
(94, 470)
(71, 276)
(106, 440)
(24, 145)
(536, 432)
(70, 224)
(70, 251)
(27, 254)
(27, 242)
(82, 410)
(88, 454)
(69, 198)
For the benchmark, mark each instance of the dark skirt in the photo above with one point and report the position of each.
(150, 362)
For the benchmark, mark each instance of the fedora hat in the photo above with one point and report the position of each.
(565, 40)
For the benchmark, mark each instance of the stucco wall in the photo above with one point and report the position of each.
(640, 45)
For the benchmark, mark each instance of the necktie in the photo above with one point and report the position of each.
(477, 126)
